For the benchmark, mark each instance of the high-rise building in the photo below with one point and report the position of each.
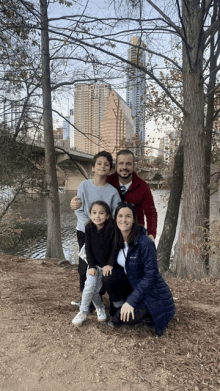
(72, 132)
(168, 144)
(66, 128)
(90, 101)
(117, 125)
(135, 93)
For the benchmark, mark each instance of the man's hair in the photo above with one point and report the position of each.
(125, 152)
(103, 154)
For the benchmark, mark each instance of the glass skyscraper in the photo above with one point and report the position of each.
(136, 86)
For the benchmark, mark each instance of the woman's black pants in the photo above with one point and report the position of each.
(119, 288)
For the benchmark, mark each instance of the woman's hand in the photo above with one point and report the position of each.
(75, 203)
(92, 272)
(107, 270)
(126, 310)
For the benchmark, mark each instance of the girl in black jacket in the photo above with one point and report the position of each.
(99, 234)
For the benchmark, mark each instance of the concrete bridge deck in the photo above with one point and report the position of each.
(76, 165)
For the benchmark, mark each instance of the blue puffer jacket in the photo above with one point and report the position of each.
(148, 285)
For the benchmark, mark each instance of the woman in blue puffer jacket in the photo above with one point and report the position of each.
(135, 285)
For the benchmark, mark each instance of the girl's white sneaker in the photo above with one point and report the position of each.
(101, 315)
(79, 319)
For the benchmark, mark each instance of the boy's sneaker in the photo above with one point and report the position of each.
(101, 315)
(79, 319)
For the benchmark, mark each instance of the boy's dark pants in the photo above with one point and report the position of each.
(82, 267)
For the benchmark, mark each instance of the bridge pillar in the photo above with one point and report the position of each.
(73, 181)
(74, 174)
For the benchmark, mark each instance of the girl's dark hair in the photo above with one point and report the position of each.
(105, 206)
(119, 242)
(105, 154)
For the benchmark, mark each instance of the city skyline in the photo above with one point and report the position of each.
(102, 117)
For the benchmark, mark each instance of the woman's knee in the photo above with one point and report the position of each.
(107, 279)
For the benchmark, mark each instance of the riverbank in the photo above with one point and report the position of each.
(41, 350)
(27, 224)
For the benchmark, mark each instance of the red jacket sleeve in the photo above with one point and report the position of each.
(150, 212)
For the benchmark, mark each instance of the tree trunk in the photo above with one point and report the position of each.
(209, 121)
(54, 244)
(189, 255)
(169, 229)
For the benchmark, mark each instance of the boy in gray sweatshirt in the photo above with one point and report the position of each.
(92, 190)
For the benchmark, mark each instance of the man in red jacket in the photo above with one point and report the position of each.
(131, 189)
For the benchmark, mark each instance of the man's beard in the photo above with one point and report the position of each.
(125, 177)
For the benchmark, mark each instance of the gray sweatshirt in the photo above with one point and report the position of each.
(88, 193)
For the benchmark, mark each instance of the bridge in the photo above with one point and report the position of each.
(72, 164)
(75, 165)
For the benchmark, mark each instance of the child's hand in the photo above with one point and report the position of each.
(75, 203)
(107, 270)
(92, 272)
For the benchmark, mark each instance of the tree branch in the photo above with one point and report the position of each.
(208, 4)
(168, 20)
(91, 138)
(141, 68)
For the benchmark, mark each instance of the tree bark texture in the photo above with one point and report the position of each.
(189, 255)
(169, 229)
(209, 118)
(54, 244)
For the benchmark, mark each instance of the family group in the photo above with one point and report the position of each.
(120, 255)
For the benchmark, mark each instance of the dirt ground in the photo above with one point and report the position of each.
(41, 350)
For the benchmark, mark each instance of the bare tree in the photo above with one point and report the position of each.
(54, 244)
(96, 44)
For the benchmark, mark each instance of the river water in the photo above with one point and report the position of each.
(32, 211)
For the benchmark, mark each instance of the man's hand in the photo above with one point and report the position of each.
(92, 272)
(75, 203)
(126, 310)
(107, 270)
(151, 237)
